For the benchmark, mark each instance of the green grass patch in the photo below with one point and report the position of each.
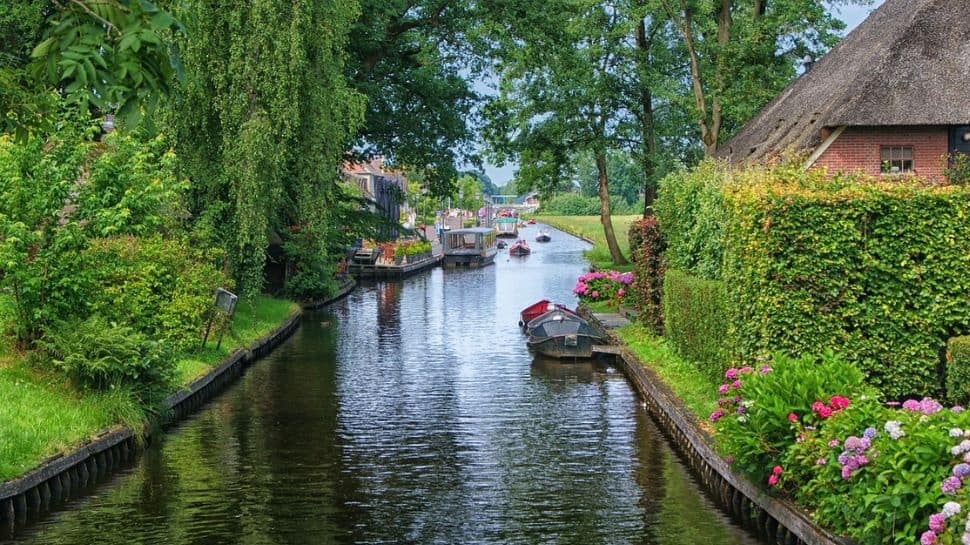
(694, 389)
(42, 414)
(252, 321)
(589, 227)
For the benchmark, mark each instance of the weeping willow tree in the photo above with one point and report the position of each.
(261, 120)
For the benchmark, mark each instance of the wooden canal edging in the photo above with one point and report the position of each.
(69, 475)
(777, 520)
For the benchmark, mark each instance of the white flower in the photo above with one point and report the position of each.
(956, 432)
(747, 403)
(742, 419)
(967, 527)
(895, 431)
(965, 538)
(950, 508)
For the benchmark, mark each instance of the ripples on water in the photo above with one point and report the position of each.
(411, 414)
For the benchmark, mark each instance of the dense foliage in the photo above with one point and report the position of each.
(647, 247)
(696, 315)
(691, 211)
(261, 124)
(102, 355)
(574, 204)
(610, 287)
(877, 271)
(811, 429)
(958, 369)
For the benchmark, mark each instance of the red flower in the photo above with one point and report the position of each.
(773, 480)
(776, 470)
(792, 417)
(838, 402)
(825, 412)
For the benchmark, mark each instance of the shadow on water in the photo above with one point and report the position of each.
(411, 412)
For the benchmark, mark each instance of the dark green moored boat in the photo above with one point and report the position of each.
(562, 334)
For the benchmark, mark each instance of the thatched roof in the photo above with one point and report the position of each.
(907, 64)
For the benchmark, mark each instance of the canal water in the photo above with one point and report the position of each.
(411, 412)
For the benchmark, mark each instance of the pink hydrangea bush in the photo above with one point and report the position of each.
(613, 287)
(879, 473)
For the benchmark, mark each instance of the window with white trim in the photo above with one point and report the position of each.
(896, 159)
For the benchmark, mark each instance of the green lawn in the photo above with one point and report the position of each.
(693, 388)
(590, 228)
(41, 414)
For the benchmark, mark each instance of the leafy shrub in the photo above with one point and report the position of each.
(696, 313)
(754, 421)
(609, 286)
(647, 250)
(162, 288)
(958, 370)
(574, 204)
(692, 215)
(100, 355)
(957, 169)
(878, 271)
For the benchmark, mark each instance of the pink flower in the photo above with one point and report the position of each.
(825, 412)
(834, 443)
(723, 389)
(792, 417)
(776, 470)
(838, 402)
(821, 462)
(773, 480)
(716, 415)
(937, 522)
(928, 538)
(620, 293)
(596, 294)
(731, 374)
(745, 370)
(736, 384)
(817, 406)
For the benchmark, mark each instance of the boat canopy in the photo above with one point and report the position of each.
(558, 322)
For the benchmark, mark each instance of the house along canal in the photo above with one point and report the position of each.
(411, 412)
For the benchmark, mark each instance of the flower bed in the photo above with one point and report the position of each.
(611, 287)
(810, 429)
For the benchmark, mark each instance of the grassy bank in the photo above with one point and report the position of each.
(589, 227)
(42, 414)
(693, 388)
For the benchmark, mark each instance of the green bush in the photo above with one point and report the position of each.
(878, 271)
(574, 204)
(696, 314)
(757, 430)
(691, 212)
(101, 355)
(958, 369)
(647, 250)
(160, 287)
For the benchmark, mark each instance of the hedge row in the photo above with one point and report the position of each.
(647, 251)
(696, 315)
(958, 369)
(876, 271)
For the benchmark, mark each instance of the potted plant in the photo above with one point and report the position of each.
(399, 253)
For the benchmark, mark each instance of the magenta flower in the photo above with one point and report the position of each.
(716, 415)
(950, 485)
(937, 522)
(723, 389)
(928, 538)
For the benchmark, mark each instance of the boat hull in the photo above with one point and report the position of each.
(520, 251)
(564, 346)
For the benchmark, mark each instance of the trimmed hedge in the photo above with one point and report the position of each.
(876, 271)
(690, 209)
(646, 249)
(958, 369)
(696, 315)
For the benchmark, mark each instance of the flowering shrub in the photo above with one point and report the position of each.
(646, 248)
(879, 473)
(610, 286)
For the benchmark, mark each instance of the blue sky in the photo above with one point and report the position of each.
(852, 15)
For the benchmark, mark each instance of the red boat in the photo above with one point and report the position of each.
(532, 222)
(520, 248)
(539, 308)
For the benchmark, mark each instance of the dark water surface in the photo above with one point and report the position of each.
(411, 413)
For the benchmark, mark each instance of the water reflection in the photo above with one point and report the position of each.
(411, 413)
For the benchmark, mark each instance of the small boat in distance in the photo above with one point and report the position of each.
(501, 245)
(532, 222)
(562, 334)
(507, 227)
(543, 236)
(520, 248)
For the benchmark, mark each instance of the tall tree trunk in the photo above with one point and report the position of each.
(647, 130)
(605, 217)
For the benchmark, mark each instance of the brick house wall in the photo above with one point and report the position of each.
(858, 148)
